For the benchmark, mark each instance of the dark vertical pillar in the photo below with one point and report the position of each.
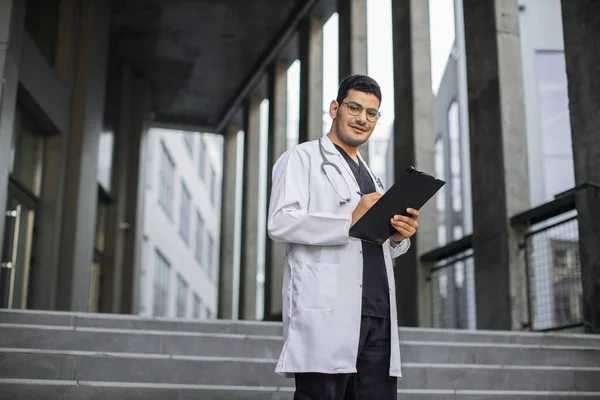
(227, 286)
(311, 79)
(134, 195)
(43, 283)
(249, 260)
(115, 237)
(122, 253)
(581, 29)
(414, 144)
(276, 147)
(498, 144)
(353, 44)
(80, 200)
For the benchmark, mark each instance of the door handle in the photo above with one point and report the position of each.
(9, 265)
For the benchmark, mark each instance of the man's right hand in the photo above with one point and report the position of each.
(365, 203)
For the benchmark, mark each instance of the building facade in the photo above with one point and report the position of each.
(181, 224)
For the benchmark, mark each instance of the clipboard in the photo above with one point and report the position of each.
(412, 190)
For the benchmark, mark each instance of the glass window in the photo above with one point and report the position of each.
(555, 123)
(201, 159)
(213, 186)
(439, 172)
(211, 261)
(188, 140)
(442, 240)
(27, 153)
(457, 232)
(456, 193)
(166, 176)
(182, 292)
(455, 161)
(441, 197)
(101, 216)
(105, 159)
(96, 278)
(197, 307)
(162, 273)
(199, 238)
(185, 214)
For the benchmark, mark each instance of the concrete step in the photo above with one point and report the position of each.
(118, 321)
(253, 346)
(146, 368)
(71, 390)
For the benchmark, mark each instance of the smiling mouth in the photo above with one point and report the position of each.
(358, 128)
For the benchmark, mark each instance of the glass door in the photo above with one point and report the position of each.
(15, 264)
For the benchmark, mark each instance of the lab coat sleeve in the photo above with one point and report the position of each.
(399, 249)
(289, 220)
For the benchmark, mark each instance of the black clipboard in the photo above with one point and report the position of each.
(412, 190)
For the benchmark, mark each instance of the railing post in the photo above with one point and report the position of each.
(525, 250)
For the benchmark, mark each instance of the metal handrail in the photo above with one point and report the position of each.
(449, 250)
(545, 228)
(577, 188)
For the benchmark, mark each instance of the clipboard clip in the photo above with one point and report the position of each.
(413, 169)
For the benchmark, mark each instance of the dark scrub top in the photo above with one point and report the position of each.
(375, 294)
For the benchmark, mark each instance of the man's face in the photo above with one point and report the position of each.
(355, 117)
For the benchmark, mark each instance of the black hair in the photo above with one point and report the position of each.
(362, 83)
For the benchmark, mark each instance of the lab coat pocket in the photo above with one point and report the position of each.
(317, 289)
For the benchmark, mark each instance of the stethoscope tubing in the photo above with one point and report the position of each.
(326, 163)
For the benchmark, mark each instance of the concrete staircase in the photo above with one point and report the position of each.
(68, 356)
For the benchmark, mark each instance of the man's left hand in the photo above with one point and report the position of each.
(405, 227)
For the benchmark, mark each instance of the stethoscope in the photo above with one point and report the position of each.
(327, 163)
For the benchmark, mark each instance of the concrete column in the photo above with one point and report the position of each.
(125, 215)
(227, 279)
(311, 79)
(79, 218)
(353, 44)
(43, 284)
(248, 264)
(498, 142)
(414, 144)
(581, 29)
(112, 269)
(12, 17)
(134, 195)
(277, 145)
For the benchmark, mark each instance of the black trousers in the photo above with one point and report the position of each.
(372, 380)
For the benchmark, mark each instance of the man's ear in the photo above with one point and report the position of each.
(333, 109)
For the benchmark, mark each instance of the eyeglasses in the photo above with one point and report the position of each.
(355, 109)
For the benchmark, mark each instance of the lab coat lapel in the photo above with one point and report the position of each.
(377, 188)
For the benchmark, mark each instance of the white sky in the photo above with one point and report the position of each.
(441, 31)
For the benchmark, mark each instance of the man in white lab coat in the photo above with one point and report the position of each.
(339, 300)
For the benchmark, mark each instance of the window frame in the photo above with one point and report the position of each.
(162, 269)
(166, 180)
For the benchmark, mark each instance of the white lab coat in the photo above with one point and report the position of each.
(322, 282)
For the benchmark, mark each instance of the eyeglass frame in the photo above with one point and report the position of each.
(362, 108)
